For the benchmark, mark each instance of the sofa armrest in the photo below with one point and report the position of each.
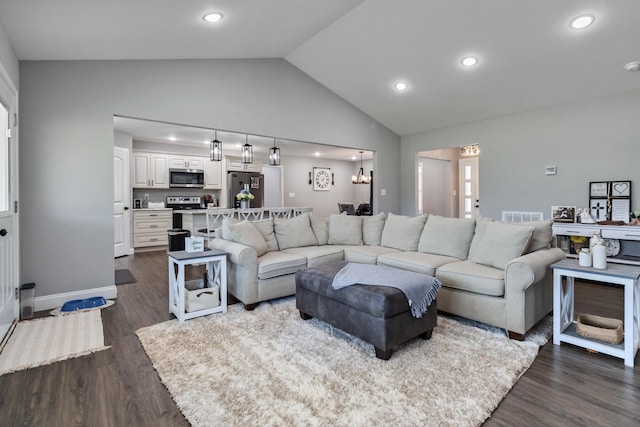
(242, 277)
(237, 252)
(528, 269)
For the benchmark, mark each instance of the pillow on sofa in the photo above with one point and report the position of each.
(372, 227)
(345, 230)
(294, 232)
(402, 232)
(447, 236)
(542, 235)
(481, 227)
(320, 227)
(226, 231)
(246, 233)
(265, 228)
(499, 243)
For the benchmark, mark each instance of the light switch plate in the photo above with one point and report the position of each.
(550, 170)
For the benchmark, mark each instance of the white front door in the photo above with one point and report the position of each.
(9, 229)
(121, 202)
(469, 188)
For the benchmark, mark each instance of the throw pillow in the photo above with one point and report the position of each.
(481, 227)
(246, 233)
(265, 227)
(542, 235)
(345, 230)
(372, 227)
(320, 227)
(447, 236)
(500, 243)
(294, 232)
(402, 232)
(226, 231)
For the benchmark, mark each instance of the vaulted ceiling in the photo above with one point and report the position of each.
(528, 56)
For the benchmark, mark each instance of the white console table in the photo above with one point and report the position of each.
(564, 326)
(216, 273)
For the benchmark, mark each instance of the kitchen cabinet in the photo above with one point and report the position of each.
(186, 162)
(235, 164)
(150, 170)
(150, 227)
(213, 175)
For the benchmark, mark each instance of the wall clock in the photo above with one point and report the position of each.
(322, 179)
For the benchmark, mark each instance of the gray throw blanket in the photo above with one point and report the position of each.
(421, 290)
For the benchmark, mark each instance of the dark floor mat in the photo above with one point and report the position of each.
(124, 276)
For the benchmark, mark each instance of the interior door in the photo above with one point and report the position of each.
(121, 202)
(469, 187)
(9, 229)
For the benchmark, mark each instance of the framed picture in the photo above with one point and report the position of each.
(621, 189)
(565, 214)
(255, 182)
(620, 209)
(322, 179)
(598, 189)
(599, 209)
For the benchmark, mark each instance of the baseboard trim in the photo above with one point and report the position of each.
(49, 302)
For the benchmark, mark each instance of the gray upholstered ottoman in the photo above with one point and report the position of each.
(379, 315)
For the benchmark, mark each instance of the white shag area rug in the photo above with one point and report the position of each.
(271, 368)
(51, 339)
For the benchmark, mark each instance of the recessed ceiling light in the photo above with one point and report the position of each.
(582, 21)
(213, 17)
(354, 157)
(469, 61)
(632, 66)
(317, 154)
(172, 138)
(401, 86)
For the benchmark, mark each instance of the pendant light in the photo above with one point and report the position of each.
(361, 178)
(274, 155)
(247, 152)
(215, 149)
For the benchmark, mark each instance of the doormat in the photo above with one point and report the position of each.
(51, 339)
(124, 276)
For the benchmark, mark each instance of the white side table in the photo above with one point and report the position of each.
(564, 327)
(216, 272)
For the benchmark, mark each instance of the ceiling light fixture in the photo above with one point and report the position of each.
(582, 21)
(632, 66)
(247, 152)
(213, 17)
(469, 61)
(361, 178)
(215, 149)
(172, 138)
(401, 86)
(274, 155)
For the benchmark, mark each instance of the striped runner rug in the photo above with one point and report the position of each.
(43, 341)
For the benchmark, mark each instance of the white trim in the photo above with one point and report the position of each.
(49, 302)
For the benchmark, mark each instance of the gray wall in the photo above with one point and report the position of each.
(8, 58)
(594, 140)
(67, 138)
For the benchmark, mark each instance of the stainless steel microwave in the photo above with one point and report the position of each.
(189, 178)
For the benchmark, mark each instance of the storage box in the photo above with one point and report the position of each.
(198, 298)
(194, 244)
(600, 328)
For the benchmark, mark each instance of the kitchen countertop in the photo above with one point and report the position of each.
(152, 209)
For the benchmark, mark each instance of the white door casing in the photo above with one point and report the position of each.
(121, 203)
(469, 187)
(9, 227)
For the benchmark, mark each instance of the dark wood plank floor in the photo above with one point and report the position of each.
(566, 385)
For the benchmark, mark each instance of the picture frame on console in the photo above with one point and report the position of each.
(563, 214)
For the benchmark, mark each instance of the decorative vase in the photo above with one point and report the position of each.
(244, 204)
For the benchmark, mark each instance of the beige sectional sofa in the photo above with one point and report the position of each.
(493, 272)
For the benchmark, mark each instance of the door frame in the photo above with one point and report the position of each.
(14, 189)
(126, 192)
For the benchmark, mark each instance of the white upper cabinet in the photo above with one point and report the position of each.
(150, 170)
(212, 175)
(186, 162)
(235, 164)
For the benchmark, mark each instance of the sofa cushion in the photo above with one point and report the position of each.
(294, 232)
(317, 255)
(365, 254)
(471, 277)
(447, 236)
(274, 264)
(541, 237)
(416, 261)
(226, 231)
(246, 233)
(320, 227)
(499, 243)
(402, 232)
(372, 227)
(265, 227)
(345, 230)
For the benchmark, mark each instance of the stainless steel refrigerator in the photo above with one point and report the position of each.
(254, 181)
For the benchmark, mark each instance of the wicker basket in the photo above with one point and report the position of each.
(600, 328)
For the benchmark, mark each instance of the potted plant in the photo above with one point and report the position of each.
(245, 197)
